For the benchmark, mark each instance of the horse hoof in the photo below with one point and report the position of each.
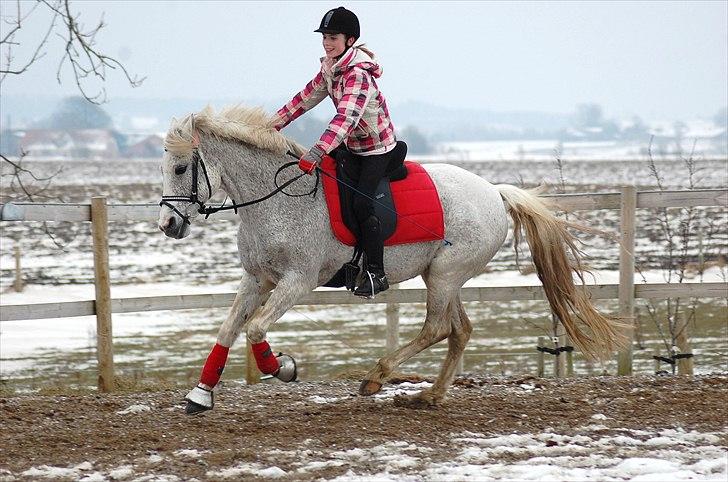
(198, 400)
(195, 408)
(287, 371)
(369, 387)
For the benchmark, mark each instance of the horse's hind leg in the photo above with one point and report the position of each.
(459, 337)
(436, 328)
(456, 341)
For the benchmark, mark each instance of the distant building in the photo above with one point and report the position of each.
(150, 146)
(67, 144)
(679, 137)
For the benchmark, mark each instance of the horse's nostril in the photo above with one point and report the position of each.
(171, 223)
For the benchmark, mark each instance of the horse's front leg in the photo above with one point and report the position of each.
(287, 292)
(249, 298)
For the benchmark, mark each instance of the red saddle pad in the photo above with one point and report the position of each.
(419, 211)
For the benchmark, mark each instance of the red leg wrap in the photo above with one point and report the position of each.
(214, 365)
(267, 362)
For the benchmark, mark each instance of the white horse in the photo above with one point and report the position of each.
(286, 245)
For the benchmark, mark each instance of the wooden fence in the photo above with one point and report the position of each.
(100, 214)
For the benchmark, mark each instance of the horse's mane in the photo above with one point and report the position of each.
(250, 125)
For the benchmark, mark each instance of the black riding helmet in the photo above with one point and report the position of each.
(340, 20)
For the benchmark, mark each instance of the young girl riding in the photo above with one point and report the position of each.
(361, 125)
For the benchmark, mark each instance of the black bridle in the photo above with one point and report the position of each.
(193, 198)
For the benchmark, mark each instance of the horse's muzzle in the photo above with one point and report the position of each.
(174, 227)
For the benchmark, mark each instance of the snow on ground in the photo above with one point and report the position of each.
(322, 400)
(135, 409)
(666, 455)
(190, 453)
(247, 469)
(635, 455)
(405, 388)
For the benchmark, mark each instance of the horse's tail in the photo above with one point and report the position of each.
(550, 243)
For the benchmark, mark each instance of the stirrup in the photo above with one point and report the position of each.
(372, 285)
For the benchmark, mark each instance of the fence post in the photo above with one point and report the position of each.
(392, 312)
(559, 360)
(541, 357)
(252, 375)
(18, 283)
(628, 204)
(569, 357)
(685, 366)
(104, 338)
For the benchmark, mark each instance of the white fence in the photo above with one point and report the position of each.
(100, 214)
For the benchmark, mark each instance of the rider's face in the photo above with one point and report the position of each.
(334, 44)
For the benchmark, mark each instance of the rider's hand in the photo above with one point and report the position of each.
(311, 160)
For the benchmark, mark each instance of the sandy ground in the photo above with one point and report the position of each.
(279, 429)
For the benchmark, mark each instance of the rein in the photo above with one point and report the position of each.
(193, 198)
(207, 210)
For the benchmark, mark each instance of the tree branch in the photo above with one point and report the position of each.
(80, 51)
(9, 41)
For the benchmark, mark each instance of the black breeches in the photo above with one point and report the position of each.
(372, 171)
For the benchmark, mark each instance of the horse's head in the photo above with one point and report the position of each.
(188, 182)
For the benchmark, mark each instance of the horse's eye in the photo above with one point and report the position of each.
(179, 170)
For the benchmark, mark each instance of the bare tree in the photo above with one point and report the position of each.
(87, 62)
(25, 182)
(90, 67)
(29, 186)
(680, 228)
(81, 53)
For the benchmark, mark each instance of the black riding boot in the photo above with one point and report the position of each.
(374, 280)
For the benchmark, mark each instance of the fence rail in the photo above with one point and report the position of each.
(627, 201)
(66, 309)
(149, 212)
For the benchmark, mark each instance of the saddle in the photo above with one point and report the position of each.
(348, 170)
(406, 203)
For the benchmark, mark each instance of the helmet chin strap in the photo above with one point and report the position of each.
(337, 58)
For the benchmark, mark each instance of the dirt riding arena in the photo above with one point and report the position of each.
(596, 428)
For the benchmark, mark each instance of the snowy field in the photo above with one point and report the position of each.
(546, 150)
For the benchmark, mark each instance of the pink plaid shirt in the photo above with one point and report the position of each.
(362, 119)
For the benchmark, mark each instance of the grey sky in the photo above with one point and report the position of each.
(656, 59)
